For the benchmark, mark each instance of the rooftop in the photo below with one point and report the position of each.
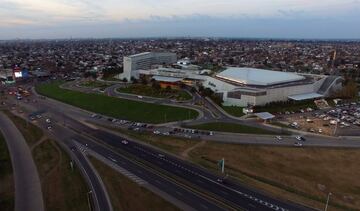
(259, 77)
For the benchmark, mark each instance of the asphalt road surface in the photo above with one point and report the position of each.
(28, 194)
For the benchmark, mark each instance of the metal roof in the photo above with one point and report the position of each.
(305, 96)
(264, 115)
(261, 77)
(167, 79)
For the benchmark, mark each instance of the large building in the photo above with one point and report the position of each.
(250, 86)
(236, 86)
(144, 61)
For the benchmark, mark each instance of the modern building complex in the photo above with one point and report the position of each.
(236, 86)
(145, 61)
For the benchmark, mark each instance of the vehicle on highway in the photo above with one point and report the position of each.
(38, 116)
(156, 132)
(279, 138)
(300, 138)
(297, 144)
(140, 97)
(49, 127)
(124, 142)
(48, 120)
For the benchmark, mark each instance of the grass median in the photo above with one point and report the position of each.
(230, 127)
(7, 187)
(146, 90)
(31, 133)
(116, 107)
(62, 187)
(126, 194)
(304, 175)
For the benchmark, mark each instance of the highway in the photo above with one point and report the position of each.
(232, 194)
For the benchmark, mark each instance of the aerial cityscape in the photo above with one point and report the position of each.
(191, 105)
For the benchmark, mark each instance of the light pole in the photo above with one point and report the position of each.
(327, 201)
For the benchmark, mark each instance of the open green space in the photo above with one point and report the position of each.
(285, 106)
(234, 110)
(7, 187)
(147, 90)
(95, 84)
(230, 127)
(305, 175)
(31, 133)
(116, 107)
(62, 187)
(126, 194)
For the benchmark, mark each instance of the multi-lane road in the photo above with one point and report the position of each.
(200, 183)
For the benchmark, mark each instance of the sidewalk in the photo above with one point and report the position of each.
(28, 194)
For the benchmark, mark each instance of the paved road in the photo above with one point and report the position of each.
(28, 194)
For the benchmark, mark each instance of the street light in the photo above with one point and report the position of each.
(327, 201)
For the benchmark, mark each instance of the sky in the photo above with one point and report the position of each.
(307, 19)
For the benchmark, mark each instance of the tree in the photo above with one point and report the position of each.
(125, 80)
(144, 81)
(168, 88)
(134, 80)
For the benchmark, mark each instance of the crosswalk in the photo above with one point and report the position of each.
(111, 162)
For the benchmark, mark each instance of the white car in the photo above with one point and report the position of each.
(124, 142)
(48, 120)
(156, 132)
(279, 138)
(297, 144)
(300, 138)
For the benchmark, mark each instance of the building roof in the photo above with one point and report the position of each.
(264, 115)
(305, 96)
(260, 77)
(167, 79)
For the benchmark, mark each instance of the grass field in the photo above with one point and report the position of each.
(63, 189)
(234, 110)
(7, 187)
(30, 132)
(230, 127)
(307, 174)
(146, 90)
(303, 175)
(116, 107)
(126, 194)
(95, 84)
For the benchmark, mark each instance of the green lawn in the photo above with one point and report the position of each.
(147, 90)
(7, 188)
(31, 132)
(116, 107)
(230, 127)
(95, 84)
(63, 188)
(234, 110)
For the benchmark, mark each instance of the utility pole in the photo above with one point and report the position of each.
(221, 163)
(327, 201)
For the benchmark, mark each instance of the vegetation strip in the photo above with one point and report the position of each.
(116, 107)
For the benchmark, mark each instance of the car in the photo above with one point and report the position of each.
(166, 133)
(156, 132)
(93, 115)
(300, 138)
(49, 127)
(279, 138)
(38, 116)
(161, 155)
(211, 133)
(124, 142)
(48, 120)
(297, 144)
(140, 97)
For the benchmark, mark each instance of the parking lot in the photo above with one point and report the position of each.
(343, 119)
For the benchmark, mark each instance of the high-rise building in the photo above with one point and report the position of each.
(144, 61)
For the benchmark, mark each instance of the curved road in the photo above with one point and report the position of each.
(28, 194)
